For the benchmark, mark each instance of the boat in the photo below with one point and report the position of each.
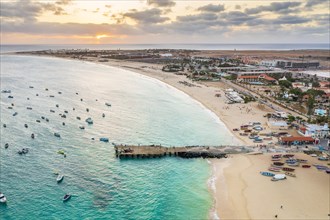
(89, 121)
(103, 115)
(47, 120)
(108, 104)
(57, 105)
(32, 136)
(306, 166)
(6, 145)
(275, 169)
(23, 151)
(4, 125)
(82, 127)
(66, 197)
(104, 139)
(52, 111)
(15, 113)
(61, 152)
(43, 117)
(3, 198)
(291, 161)
(279, 177)
(278, 163)
(57, 135)
(63, 116)
(323, 158)
(66, 111)
(267, 174)
(87, 109)
(10, 97)
(6, 91)
(59, 92)
(59, 178)
(327, 171)
(290, 174)
(302, 161)
(78, 118)
(63, 123)
(26, 126)
(313, 155)
(288, 155)
(29, 108)
(31, 87)
(38, 120)
(51, 96)
(288, 169)
(9, 107)
(277, 156)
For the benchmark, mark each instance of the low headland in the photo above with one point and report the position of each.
(240, 191)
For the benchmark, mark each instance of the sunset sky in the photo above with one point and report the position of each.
(164, 21)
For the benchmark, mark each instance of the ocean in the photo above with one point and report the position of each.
(143, 111)
(320, 46)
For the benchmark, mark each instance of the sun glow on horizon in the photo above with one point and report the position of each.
(101, 36)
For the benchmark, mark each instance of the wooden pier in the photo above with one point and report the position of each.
(158, 151)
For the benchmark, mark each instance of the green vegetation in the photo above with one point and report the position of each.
(285, 83)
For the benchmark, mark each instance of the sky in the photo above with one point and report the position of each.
(164, 21)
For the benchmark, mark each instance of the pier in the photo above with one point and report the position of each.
(158, 151)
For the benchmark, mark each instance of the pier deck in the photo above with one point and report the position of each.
(154, 151)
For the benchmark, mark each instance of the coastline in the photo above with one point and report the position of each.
(231, 196)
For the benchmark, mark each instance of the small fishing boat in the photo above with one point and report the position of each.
(38, 120)
(82, 127)
(103, 115)
(47, 120)
(306, 166)
(302, 161)
(6, 91)
(26, 126)
(10, 97)
(293, 164)
(37, 94)
(32, 136)
(291, 161)
(73, 109)
(108, 104)
(275, 169)
(276, 155)
(89, 121)
(63, 116)
(81, 100)
(3, 198)
(78, 118)
(57, 135)
(87, 109)
(327, 171)
(290, 174)
(9, 107)
(46, 89)
(15, 113)
(31, 87)
(267, 174)
(323, 158)
(61, 152)
(6, 145)
(57, 105)
(104, 139)
(278, 163)
(288, 169)
(29, 108)
(313, 155)
(51, 96)
(43, 117)
(288, 155)
(276, 159)
(63, 123)
(59, 178)
(12, 104)
(59, 92)
(279, 177)
(66, 197)
(52, 111)
(66, 111)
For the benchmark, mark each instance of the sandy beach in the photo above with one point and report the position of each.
(249, 195)
(240, 191)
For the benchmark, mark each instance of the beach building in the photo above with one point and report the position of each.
(313, 130)
(233, 96)
(297, 140)
(296, 64)
(322, 75)
(277, 125)
(261, 78)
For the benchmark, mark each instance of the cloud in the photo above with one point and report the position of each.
(161, 3)
(280, 7)
(196, 17)
(212, 8)
(147, 16)
(312, 3)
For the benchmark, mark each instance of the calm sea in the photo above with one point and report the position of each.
(12, 48)
(143, 111)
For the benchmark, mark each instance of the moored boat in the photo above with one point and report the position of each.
(290, 174)
(3, 198)
(66, 197)
(301, 161)
(306, 166)
(59, 178)
(288, 155)
(104, 139)
(278, 163)
(89, 121)
(57, 135)
(288, 169)
(275, 169)
(108, 104)
(267, 174)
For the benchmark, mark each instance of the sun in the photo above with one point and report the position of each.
(101, 36)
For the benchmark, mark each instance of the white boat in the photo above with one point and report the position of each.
(3, 199)
(59, 178)
(108, 104)
(279, 177)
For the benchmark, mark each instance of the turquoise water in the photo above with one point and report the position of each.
(144, 111)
